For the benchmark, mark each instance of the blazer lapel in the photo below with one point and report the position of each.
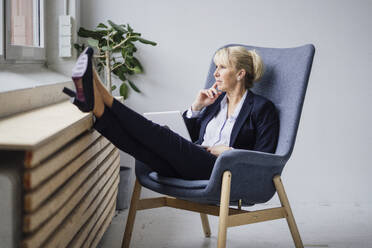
(243, 115)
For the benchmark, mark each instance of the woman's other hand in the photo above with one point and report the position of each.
(217, 150)
(206, 97)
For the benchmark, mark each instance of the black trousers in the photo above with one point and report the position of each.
(160, 148)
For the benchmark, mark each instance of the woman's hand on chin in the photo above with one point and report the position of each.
(206, 97)
(217, 150)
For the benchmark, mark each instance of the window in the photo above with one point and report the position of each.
(1, 29)
(24, 25)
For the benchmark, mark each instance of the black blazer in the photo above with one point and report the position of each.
(256, 127)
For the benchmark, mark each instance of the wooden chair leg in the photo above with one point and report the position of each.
(290, 218)
(205, 223)
(131, 215)
(224, 209)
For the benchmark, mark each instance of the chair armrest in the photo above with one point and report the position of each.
(253, 157)
(252, 174)
(234, 159)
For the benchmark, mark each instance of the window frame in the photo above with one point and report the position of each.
(2, 31)
(17, 53)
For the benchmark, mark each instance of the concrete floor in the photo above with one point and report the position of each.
(344, 225)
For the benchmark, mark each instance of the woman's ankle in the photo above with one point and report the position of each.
(99, 105)
(106, 96)
(98, 112)
(109, 102)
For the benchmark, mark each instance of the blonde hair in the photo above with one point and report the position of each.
(239, 58)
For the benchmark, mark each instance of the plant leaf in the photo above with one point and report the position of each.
(120, 72)
(124, 69)
(102, 42)
(86, 33)
(130, 29)
(133, 86)
(78, 46)
(92, 42)
(137, 69)
(113, 88)
(121, 75)
(131, 48)
(100, 68)
(101, 25)
(137, 64)
(124, 52)
(117, 27)
(124, 90)
(144, 41)
(118, 37)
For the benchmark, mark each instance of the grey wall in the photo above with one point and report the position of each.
(331, 162)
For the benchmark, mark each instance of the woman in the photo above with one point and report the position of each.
(224, 117)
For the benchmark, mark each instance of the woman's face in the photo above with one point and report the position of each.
(226, 77)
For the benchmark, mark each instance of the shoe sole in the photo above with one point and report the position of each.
(81, 65)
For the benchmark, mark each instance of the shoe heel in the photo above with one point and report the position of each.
(80, 105)
(75, 101)
(69, 92)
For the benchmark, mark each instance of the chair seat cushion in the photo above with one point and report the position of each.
(179, 183)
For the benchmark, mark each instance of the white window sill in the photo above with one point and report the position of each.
(24, 87)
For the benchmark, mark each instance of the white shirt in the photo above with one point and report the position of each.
(218, 130)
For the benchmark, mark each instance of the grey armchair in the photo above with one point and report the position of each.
(240, 177)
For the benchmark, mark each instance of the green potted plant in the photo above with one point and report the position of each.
(115, 46)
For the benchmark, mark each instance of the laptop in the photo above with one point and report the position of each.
(170, 119)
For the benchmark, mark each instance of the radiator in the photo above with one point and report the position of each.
(58, 179)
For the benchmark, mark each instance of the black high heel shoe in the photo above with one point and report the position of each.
(84, 95)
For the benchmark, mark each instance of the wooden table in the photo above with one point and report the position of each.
(58, 179)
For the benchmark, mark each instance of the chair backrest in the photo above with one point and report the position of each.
(284, 82)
